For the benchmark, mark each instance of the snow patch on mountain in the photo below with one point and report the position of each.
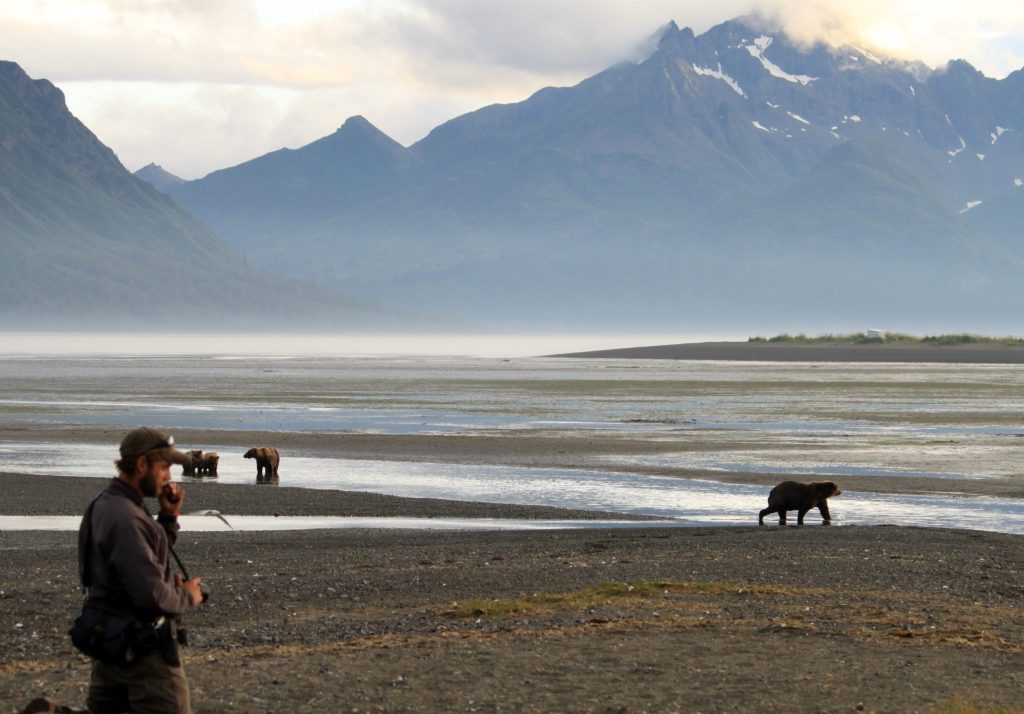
(757, 49)
(719, 74)
(970, 205)
(868, 55)
(1018, 182)
(954, 152)
(798, 118)
(998, 133)
(981, 157)
(759, 125)
(912, 92)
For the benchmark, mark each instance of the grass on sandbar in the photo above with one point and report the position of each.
(639, 590)
(860, 338)
(958, 705)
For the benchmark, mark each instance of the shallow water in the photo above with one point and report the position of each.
(690, 502)
(948, 421)
(959, 421)
(293, 523)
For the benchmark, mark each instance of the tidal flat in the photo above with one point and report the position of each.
(869, 617)
(881, 427)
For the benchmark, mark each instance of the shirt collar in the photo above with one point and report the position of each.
(119, 488)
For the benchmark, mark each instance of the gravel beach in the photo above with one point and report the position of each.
(602, 620)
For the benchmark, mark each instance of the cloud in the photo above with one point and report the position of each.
(314, 43)
(924, 30)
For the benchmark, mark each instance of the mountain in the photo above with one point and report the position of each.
(158, 177)
(1001, 218)
(734, 176)
(85, 243)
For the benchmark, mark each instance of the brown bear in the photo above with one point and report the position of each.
(267, 461)
(799, 497)
(195, 460)
(207, 465)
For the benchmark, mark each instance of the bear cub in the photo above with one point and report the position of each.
(799, 497)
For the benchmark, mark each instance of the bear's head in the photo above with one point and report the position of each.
(251, 453)
(826, 489)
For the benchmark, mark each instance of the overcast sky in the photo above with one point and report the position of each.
(197, 85)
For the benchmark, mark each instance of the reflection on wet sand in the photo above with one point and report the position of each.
(695, 502)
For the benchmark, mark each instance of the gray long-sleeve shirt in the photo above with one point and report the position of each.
(129, 556)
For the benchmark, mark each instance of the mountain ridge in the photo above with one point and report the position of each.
(624, 198)
(88, 244)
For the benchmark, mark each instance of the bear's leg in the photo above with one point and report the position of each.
(762, 514)
(800, 516)
(826, 519)
(782, 516)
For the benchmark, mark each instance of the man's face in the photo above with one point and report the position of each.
(155, 477)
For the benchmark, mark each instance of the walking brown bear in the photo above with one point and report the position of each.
(799, 497)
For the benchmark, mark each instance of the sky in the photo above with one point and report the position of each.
(199, 85)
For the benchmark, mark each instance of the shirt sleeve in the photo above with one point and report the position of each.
(170, 526)
(132, 553)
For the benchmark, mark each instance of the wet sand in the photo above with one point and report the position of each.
(583, 451)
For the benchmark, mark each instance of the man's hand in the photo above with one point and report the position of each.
(171, 498)
(192, 587)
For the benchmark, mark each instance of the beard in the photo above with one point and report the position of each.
(149, 483)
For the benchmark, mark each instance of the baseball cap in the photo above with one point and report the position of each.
(144, 440)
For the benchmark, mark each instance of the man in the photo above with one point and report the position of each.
(124, 560)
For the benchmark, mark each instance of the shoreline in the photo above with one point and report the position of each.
(37, 494)
(823, 352)
(586, 452)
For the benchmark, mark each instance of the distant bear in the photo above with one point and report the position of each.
(194, 461)
(267, 461)
(799, 497)
(207, 465)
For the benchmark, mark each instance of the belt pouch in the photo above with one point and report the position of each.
(107, 636)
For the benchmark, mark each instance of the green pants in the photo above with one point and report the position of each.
(148, 686)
